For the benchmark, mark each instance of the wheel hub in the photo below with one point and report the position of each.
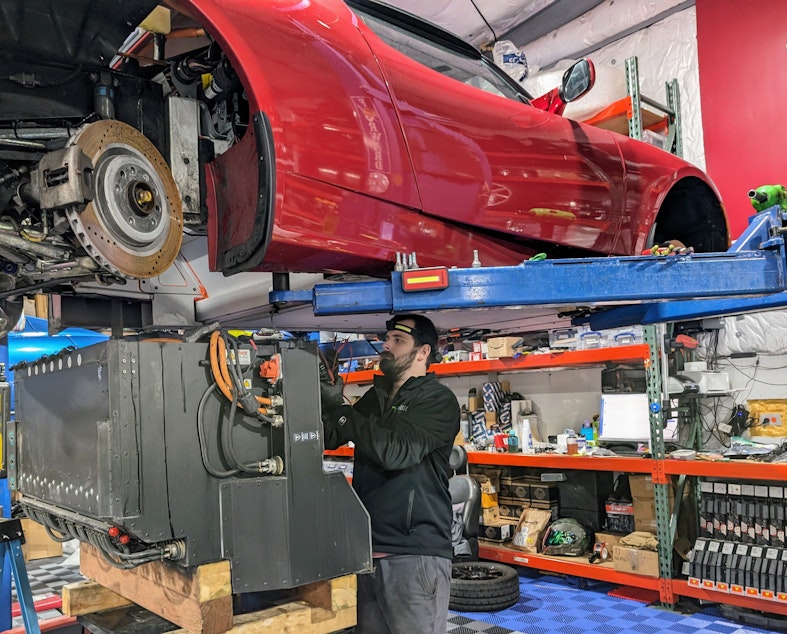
(133, 227)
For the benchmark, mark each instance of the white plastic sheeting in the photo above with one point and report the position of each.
(593, 28)
(763, 332)
(667, 49)
(464, 18)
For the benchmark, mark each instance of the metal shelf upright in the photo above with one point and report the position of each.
(674, 142)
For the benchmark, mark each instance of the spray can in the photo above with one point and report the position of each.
(464, 424)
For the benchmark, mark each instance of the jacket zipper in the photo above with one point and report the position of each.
(410, 510)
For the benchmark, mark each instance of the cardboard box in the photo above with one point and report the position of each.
(544, 492)
(636, 561)
(642, 487)
(489, 482)
(490, 515)
(475, 403)
(500, 347)
(498, 532)
(610, 540)
(510, 507)
(38, 545)
(515, 488)
(648, 524)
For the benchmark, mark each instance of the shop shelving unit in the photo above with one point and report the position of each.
(660, 468)
(628, 116)
(668, 588)
(569, 358)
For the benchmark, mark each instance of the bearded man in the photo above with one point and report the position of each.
(403, 429)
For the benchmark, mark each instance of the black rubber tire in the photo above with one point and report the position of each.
(692, 214)
(496, 589)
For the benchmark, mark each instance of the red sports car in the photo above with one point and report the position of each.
(300, 136)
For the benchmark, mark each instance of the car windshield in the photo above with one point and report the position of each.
(473, 72)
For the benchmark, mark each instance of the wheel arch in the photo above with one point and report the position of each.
(690, 210)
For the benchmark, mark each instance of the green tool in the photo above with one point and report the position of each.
(768, 196)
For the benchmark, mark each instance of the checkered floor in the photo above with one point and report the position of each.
(553, 605)
(548, 605)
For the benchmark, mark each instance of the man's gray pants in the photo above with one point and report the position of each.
(406, 594)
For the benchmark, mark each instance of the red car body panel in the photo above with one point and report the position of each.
(377, 154)
(506, 166)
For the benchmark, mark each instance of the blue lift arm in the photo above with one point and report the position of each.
(630, 289)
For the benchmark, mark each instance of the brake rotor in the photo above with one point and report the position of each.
(134, 225)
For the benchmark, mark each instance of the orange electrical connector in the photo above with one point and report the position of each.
(270, 369)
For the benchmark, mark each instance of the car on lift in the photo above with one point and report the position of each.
(319, 137)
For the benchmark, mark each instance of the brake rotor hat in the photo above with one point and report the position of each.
(423, 331)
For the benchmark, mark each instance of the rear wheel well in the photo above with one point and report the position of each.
(692, 214)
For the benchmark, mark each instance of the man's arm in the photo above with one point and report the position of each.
(331, 399)
(427, 424)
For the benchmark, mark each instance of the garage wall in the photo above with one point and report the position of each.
(752, 349)
(743, 78)
(665, 50)
(562, 398)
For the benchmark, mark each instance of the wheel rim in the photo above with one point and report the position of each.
(476, 573)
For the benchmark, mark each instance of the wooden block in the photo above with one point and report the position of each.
(319, 608)
(38, 544)
(198, 599)
(86, 597)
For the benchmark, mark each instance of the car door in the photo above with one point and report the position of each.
(485, 160)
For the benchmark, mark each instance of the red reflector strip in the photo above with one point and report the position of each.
(425, 279)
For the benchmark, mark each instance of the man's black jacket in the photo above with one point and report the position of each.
(400, 470)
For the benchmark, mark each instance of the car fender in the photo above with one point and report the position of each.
(651, 173)
(308, 73)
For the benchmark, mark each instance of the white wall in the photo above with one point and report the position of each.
(763, 376)
(665, 50)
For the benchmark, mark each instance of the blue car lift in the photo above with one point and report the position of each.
(611, 291)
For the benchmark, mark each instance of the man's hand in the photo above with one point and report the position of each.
(331, 396)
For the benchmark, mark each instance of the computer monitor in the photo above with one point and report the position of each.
(624, 417)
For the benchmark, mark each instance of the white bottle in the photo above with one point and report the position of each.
(525, 436)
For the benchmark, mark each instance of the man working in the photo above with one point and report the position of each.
(403, 429)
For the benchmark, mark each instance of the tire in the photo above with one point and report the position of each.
(692, 214)
(483, 586)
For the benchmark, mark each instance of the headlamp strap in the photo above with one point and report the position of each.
(403, 327)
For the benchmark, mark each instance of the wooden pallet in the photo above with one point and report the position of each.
(200, 599)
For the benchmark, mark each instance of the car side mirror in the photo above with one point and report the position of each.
(577, 80)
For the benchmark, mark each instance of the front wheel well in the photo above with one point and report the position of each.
(692, 213)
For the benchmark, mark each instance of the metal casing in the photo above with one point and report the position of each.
(109, 432)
